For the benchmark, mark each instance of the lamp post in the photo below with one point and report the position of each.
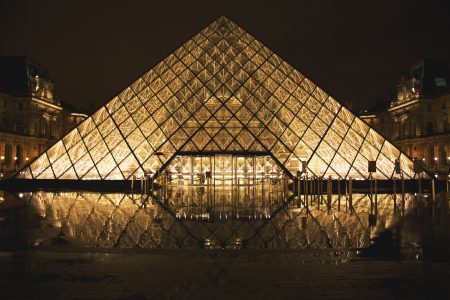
(3, 165)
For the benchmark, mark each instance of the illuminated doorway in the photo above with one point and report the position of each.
(224, 186)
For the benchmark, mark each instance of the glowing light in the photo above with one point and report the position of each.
(435, 158)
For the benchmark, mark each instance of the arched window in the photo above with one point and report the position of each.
(19, 154)
(8, 154)
(430, 154)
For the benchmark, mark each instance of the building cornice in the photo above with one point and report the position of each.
(47, 103)
(79, 115)
(403, 105)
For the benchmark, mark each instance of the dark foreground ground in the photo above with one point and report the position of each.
(219, 275)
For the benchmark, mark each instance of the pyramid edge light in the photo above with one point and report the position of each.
(220, 92)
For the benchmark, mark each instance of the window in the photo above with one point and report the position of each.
(35, 129)
(430, 128)
(8, 154)
(44, 128)
(430, 154)
(19, 154)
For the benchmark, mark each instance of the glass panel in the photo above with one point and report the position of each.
(39, 165)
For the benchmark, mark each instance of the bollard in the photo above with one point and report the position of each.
(420, 187)
(152, 182)
(321, 189)
(318, 195)
(346, 194)
(329, 190)
(376, 197)
(339, 194)
(145, 184)
(403, 195)
(433, 199)
(299, 192)
(395, 193)
(306, 191)
(350, 194)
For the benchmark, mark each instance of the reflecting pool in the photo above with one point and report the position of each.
(98, 220)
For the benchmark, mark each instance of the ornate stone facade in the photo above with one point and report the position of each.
(416, 119)
(31, 117)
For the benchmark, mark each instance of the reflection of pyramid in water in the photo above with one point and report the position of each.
(221, 91)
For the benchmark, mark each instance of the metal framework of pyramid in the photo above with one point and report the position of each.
(222, 91)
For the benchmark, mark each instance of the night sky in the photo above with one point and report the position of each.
(356, 51)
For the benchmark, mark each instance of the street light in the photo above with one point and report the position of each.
(3, 163)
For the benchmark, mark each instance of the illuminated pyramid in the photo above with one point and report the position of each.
(221, 92)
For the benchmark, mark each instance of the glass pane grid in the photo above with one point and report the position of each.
(220, 91)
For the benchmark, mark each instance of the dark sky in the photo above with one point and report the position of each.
(355, 50)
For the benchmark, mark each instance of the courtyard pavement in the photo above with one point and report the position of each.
(31, 274)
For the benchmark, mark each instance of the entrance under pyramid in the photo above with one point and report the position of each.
(222, 105)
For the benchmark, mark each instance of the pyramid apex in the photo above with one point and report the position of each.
(223, 18)
(223, 24)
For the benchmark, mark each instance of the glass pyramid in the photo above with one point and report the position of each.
(224, 92)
